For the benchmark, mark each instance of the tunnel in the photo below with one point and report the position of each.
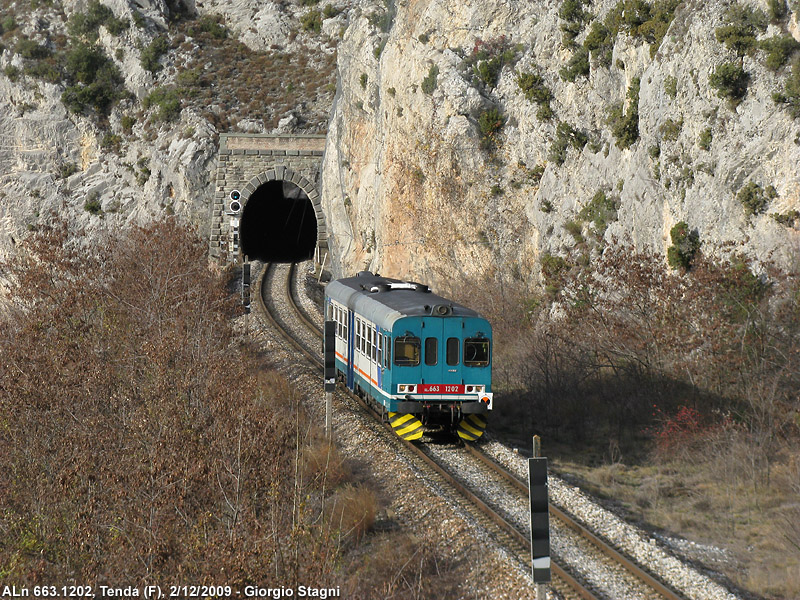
(278, 224)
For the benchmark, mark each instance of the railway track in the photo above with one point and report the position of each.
(582, 557)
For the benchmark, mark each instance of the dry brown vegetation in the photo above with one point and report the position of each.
(245, 84)
(674, 394)
(141, 442)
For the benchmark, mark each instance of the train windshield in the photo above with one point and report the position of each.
(407, 351)
(476, 352)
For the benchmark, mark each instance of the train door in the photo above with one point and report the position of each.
(432, 363)
(351, 336)
(452, 334)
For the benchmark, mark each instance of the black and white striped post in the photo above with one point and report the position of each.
(540, 519)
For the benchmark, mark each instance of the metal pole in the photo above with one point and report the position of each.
(328, 415)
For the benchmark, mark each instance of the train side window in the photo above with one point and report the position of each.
(358, 334)
(387, 357)
(373, 335)
(407, 351)
(431, 351)
(453, 351)
(380, 350)
(344, 325)
(476, 352)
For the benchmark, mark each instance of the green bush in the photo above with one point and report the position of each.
(67, 169)
(788, 218)
(705, 139)
(600, 43)
(363, 81)
(566, 136)
(625, 125)
(535, 90)
(330, 11)
(92, 204)
(85, 25)
(490, 124)
(8, 24)
(211, 25)
(777, 9)
(791, 91)
(671, 129)
(429, 82)
(744, 24)
(601, 211)
(12, 72)
(576, 17)
(642, 20)
(554, 271)
(730, 80)
(167, 100)
(753, 198)
(487, 59)
(578, 65)
(779, 50)
(30, 49)
(671, 86)
(685, 245)
(153, 52)
(94, 80)
(312, 21)
(43, 70)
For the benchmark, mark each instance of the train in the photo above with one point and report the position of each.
(424, 361)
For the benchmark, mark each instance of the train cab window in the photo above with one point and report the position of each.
(431, 351)
(476, 352)
(452, 351)
(407, 351)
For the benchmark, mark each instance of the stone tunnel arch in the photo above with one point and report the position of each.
(281, 217)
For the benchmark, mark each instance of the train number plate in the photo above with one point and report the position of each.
(437, 388)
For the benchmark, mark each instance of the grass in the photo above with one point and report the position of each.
(685, 499)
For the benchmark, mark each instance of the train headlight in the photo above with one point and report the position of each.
(469, 388)
(412, 388)
(401, 388)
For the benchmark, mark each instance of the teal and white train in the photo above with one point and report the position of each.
(425, 361)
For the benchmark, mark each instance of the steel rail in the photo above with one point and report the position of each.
(520, 538)
(576, 526)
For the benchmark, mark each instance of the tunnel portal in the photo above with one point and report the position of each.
(278, 224)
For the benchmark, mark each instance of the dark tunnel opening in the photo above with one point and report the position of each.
(278, 224)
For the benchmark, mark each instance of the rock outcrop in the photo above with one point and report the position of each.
(409, 190)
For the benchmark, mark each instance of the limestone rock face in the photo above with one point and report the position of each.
(101, 173)
(409, 191)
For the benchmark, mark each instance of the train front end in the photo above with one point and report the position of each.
(442, 371)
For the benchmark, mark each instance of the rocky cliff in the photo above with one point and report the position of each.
(153, 83)
(469, 137)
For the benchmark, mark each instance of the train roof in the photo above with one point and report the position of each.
(383, 301)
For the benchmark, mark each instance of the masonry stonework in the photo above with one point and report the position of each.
(246, 161)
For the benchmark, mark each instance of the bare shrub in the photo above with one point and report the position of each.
(323, 465)
(133, 444)
(398, 565)
(351, 511)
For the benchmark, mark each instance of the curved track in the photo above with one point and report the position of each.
(277, 302)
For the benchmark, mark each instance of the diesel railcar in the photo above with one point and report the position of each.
(425, 361)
